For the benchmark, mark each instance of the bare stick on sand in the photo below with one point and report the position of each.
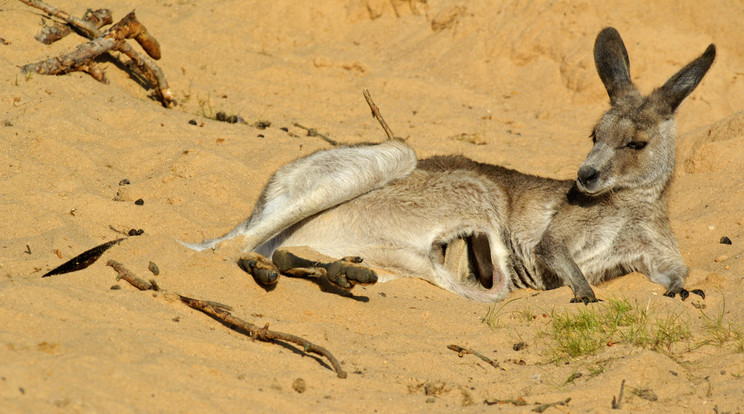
(378, 116)
(222, 313)
(113, 39)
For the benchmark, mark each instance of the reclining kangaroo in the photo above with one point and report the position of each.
(481, 230)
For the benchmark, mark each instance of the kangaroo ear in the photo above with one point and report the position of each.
(612, 62)
(676, 89)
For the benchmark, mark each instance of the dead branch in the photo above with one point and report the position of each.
(50, 34)
(113, 39)
(263, 334)
(314, 133)
(376, 113)
(222, 312)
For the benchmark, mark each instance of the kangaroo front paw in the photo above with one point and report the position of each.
(262, 269)
(684, 293)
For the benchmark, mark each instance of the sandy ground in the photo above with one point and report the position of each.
(516, 78)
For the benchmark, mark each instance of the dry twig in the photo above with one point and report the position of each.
(462, 351)
(617, 403)
(222, 312)
(541, 408)
(124, 273)
(113, 39)
(314, 133)
(378, 116)
(50, 34)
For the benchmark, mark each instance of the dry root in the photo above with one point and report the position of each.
(114, 39)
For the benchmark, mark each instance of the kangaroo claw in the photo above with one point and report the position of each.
(585, 300)
(684, 293)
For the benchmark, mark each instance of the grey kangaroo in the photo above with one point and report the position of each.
(482, 230)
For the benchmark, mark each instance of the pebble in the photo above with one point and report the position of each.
(711, 227)
(725, 240)
(139, 202)
(299, 385)
(721, 258)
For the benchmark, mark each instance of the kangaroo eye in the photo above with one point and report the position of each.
(637, 145)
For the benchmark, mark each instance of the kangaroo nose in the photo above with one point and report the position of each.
(588, 175)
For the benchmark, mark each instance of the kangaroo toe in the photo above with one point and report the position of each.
(261, 268)
(346, 273)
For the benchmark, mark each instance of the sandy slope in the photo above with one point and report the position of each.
(519, 77)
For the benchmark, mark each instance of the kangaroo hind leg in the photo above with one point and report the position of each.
(317, 182)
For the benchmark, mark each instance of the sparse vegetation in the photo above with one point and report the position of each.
(617, 321)
(720, 331)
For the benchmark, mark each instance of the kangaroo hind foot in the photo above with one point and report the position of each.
(344, 273)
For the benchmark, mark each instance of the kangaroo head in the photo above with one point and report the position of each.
(634, 139)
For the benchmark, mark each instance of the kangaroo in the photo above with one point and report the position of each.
(482, 230)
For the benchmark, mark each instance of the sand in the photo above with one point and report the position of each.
(511, 83)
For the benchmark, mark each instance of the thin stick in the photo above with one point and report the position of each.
(222, 312)
(376, 113)
(130, 277)
(619, 402)
(50, 34)
(462, 351)
(543, 407)
(314, 133)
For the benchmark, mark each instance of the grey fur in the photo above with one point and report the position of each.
(481, 230)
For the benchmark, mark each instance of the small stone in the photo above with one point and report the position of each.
(299, 385)
(192, 122)
(139, 202)
(115, 287)
(221, 116)
(519, 346)
(721, 258)
(725, 240)
(431, 400)
(153, 268)
(125, 182)
(135, 232)
(711, 227)
(262, 124)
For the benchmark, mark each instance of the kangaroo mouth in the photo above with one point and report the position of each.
(469, 259)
